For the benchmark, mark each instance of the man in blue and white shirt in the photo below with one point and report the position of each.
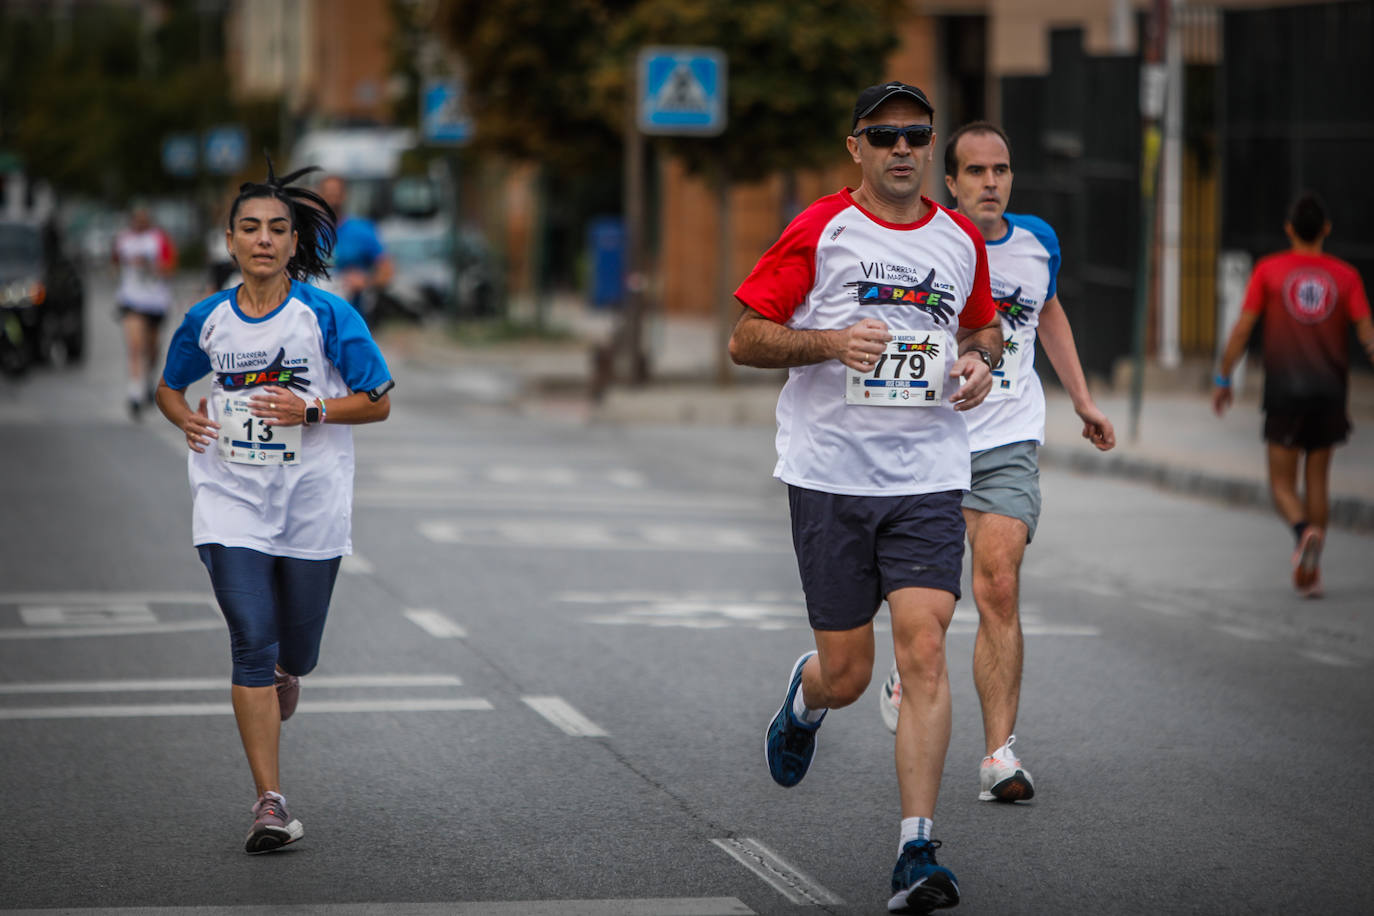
(1003, 506)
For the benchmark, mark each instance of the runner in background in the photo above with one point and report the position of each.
(146, 258)
(1005, 431)
(1307, 300)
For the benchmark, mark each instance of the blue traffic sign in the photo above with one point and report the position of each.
(442, 119)
(179, 155)
(682, 91)
(226, 149)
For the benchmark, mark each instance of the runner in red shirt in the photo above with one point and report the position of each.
(1305, 299)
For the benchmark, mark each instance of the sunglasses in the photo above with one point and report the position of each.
(883, 136)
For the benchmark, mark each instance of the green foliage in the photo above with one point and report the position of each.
(87, 99)
(551, 82)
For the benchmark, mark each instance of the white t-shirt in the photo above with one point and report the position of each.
(1024, 270)
(314, 344)
(834, 265)
(141, 257)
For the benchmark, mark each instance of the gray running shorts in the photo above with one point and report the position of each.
(1006, 481)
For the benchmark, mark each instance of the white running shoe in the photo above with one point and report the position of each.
(890, 699)
(1003, 778)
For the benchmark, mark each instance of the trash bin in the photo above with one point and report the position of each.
(606, 248)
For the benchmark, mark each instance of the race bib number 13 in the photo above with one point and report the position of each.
(246, 439)
(910, 373)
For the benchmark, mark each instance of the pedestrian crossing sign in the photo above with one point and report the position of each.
(682, 91)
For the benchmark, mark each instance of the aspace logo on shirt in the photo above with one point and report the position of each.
(274, 373)
(924, 296)
(1013, 309)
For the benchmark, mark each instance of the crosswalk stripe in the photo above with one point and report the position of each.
(435, 624)
(562, 714)
(222, 683)
(779, 874)
(644, 906)
(158, 710)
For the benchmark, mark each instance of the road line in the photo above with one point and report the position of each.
(323, 681)
(1327, 658)
(610, 502)
(356, 564)
(644, 906)
(435, 624)
(113, 598)
(224, 709)
(1242, 632)
(151, 629)
(779, 874)
(561, 713)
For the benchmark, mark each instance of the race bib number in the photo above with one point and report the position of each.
(910, 373)
(1006, 376)
(246, 439)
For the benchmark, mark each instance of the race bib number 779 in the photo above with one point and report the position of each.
(909, 373)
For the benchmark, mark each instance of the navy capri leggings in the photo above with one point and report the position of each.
(275, 607)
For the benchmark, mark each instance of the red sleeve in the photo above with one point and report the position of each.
(979, 310)
(1356, 300)
(167, 253)
(783, 277)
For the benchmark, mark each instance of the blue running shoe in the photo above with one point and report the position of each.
(789, 745)
(919, 884)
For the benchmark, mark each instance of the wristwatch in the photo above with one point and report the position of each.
(312, 414)
(987, 357)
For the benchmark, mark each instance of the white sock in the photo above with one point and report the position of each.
(913, 828)
(803, 712)
(135, 390)
(281, 799)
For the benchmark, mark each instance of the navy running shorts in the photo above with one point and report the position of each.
(1308, 425)
(852, 551)
(275, 608)
(1006, 481)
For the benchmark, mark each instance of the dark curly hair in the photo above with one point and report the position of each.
(312, 219)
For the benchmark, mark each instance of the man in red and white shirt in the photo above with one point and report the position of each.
(877, 301)
(1307, 301)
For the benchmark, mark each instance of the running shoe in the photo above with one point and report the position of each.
(288, 693)
(789, 745)
(919, 883)
(1003, 778)
(273, 827)
(1307, 564)
(890, 699)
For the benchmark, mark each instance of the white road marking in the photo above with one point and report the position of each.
(157, 629)
(561, 713)
(56, 615)
(152, 685)
(642, 906)
(422, 473)
(1327, 658)
(135, 711)
(617, 502)
(435, 624)
(554, 535)
(356, 564)
(1243, 632)
(780, 875)
(107, 598)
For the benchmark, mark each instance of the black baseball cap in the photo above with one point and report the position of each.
(874, 96)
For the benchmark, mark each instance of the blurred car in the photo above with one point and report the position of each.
(42, 298)
(433, 276)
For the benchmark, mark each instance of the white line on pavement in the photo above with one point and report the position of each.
(561, 713)
(224, 709)
(356, 564)
(435, 624)
(151, 629)
(324, 681)
(1327, 658)
(643, 906)
(782, 876)
(615, 502)
(113, 598)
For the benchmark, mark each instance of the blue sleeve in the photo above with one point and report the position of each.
(186, 361)
(1046, 237)
(347, 342)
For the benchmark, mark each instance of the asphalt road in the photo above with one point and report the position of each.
(549, 666)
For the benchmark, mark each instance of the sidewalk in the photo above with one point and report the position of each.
(1181, 446)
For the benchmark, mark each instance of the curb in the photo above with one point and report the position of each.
(1348, 512)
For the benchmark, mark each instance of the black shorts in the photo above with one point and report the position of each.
(152, 319)
(852, 551)
(1307, 425)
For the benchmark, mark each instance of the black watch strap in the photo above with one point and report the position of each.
(986, 356)
(312, 415)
